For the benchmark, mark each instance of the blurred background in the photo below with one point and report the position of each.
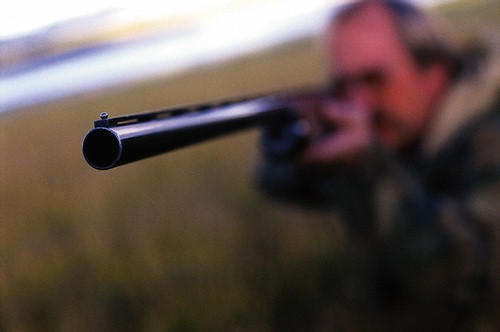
(179, 242)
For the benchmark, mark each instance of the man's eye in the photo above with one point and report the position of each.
(373, 78)
(338, 88)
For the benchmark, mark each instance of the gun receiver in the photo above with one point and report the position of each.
(121, 140)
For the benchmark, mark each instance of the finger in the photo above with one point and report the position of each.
(331, 150)
(343, 113)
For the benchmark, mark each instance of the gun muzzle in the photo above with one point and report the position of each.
(102, 148)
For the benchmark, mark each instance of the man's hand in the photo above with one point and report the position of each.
(341, 132)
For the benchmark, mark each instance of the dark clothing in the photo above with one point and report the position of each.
(428, 221)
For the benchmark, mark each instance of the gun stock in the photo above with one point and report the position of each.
(122, 140)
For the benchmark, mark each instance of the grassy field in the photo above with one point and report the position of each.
(180, 242)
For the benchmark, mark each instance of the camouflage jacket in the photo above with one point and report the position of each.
(429, 222)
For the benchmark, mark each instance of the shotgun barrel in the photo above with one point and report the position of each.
(122, 140)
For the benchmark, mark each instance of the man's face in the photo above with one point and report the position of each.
(372, 67)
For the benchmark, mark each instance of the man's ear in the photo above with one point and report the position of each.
(437, 79)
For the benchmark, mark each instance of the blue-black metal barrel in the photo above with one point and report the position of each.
(106, 147)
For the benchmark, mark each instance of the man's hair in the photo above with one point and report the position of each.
(425, 37)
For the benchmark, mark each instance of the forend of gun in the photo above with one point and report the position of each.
(122, 140)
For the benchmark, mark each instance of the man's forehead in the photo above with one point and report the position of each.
(374, 16)
(366, 38)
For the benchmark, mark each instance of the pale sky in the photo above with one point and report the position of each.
(23, 16)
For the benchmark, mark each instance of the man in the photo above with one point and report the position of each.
(408, 149)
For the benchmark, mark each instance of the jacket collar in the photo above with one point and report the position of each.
(470, 97)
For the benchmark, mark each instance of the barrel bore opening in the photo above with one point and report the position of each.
(101, 148)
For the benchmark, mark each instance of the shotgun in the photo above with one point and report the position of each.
(125, 139)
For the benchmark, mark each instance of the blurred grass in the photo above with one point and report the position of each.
(180, 242)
